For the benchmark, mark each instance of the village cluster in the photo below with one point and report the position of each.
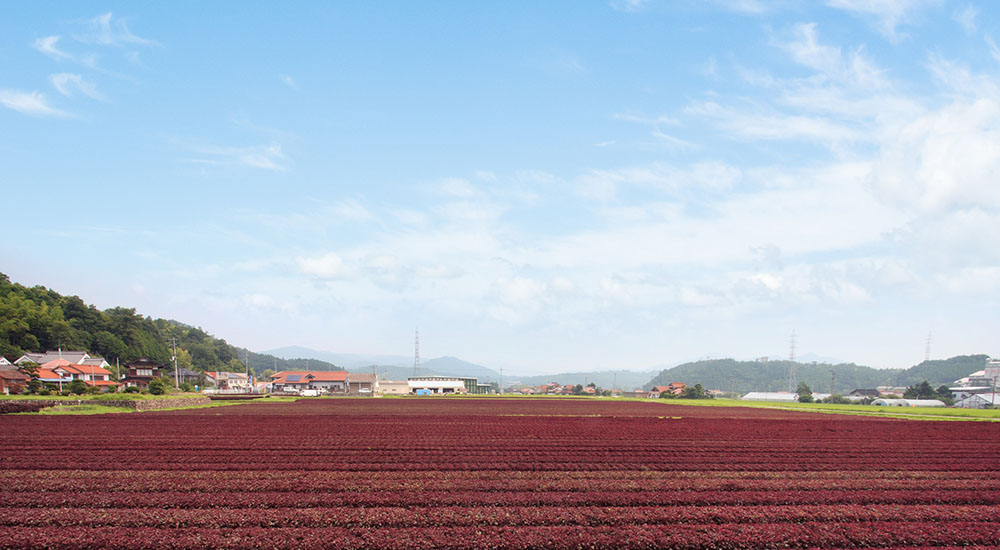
(59, 371)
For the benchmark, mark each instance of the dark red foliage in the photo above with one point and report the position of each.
(495, 473)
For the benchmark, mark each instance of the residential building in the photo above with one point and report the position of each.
(74, 357)
(141, 372)
(229, 382)
(12, 381)
(865, 392)
(92, 375)
(4, 362)
(326, 382)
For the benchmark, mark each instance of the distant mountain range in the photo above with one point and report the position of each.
(744, 376)
(393, 367)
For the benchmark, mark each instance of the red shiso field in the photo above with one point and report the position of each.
(495, 473)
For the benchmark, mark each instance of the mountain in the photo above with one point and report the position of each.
(941, 371)
(621, 379)
(37, 319)
(394, 367)
(744, 376)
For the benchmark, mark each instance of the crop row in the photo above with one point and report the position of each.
(700, 537)
(450, 516)
(264, 499)
(185, 484)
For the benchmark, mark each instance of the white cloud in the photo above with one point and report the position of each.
(628, 5)
(966, 18)
(326, 266)
(66, 83)
(754, 7)
(47, 45)
(29, 103)
(888, 14)
(289, 81)
(994, 50)
(778, 126)
(106, 30)
(352, 210)
(266, 157)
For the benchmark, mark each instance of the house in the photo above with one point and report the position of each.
(74, 357)
(141, 372)
(229, 382)
(186, 375)
(324, 381)
(865, 392)
(13, 381)
(4, 362)
(92, 375)
(634, 393)
(674, 388)
(362, 384)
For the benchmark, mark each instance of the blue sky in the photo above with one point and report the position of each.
(539, 186)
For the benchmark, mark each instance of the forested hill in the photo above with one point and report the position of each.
(38, 319)
(744, 376)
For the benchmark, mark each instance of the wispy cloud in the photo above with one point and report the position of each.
(628, 5)
(106, 30)
(47, 45)
(888, 14)
(289, 81)
(29, 103)
(966, 18)
(66, 83)
(266, 157)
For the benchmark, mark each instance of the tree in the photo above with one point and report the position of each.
(805, 394)
(578, 389)
(695, 392)
(922, 390)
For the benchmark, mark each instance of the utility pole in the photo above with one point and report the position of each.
(833, 377)
(501, 381)
(177, 374)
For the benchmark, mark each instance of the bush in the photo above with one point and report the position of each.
(131, 389)
(158, 386)
(44, 391)
(187, 387)
(77, 387)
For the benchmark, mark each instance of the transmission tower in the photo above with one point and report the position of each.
(416, 352)
(927, 348)
(791, 365)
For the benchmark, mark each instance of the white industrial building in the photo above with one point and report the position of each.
(436, 385)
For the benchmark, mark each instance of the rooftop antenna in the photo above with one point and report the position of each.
(791, 366)
(416, 352)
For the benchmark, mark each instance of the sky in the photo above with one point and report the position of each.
(538, 186)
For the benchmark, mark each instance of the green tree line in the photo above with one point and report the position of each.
(38, 319)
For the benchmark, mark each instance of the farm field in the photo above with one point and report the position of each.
(495, 473)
